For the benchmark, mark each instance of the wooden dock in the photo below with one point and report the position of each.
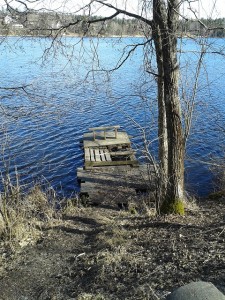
(106, 146)
(111, 171)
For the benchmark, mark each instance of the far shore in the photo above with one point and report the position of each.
(85, 36)
(74, 35)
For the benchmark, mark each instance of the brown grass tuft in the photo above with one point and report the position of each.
(22, 217)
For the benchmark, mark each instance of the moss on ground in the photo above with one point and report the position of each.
(173, 207)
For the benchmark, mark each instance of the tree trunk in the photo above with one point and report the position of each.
(165, 19)
(162, 126)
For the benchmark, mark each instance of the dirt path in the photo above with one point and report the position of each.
(43, 271)
(103, 253)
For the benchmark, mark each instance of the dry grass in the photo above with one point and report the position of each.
(85, 296)
(24, 216)
(143, 256)
(100, 253)
(103, 253)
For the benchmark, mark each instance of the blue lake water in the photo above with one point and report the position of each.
(42, 125)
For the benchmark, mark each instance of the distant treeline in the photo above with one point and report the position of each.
(48, 23)
(203, 27)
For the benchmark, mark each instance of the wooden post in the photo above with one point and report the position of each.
(104, 129)
(115, 132)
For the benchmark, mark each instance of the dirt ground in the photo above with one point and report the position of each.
(107, 253)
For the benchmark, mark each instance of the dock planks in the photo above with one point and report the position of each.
(100, 141)
(114, 183)
(105, 147)
(111, 171)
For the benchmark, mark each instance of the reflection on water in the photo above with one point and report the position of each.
(41, 132)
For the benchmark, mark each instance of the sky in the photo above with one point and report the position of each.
(202, 8)
(206, 8)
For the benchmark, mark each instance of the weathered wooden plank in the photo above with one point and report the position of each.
(100, 141)
(92, 155)
(107, 155)
(116, 170)
(97, 155)
(139, 178)
(108, 191)
(110, 163)
(102, 154)
(122, 153)
(105, 128)
(98, 192)
(87, 154)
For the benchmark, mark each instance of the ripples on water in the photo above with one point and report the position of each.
(42, 136)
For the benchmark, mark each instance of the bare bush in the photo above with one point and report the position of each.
(23, 216)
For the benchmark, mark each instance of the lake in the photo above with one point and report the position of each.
(67, 91)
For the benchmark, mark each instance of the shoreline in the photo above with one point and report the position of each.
(73, 35)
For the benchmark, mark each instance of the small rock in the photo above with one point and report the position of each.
(196, 291)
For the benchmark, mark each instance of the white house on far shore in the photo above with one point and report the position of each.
(17, 26)
(7, 20)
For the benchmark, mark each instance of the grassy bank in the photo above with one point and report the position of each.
(106, 253)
